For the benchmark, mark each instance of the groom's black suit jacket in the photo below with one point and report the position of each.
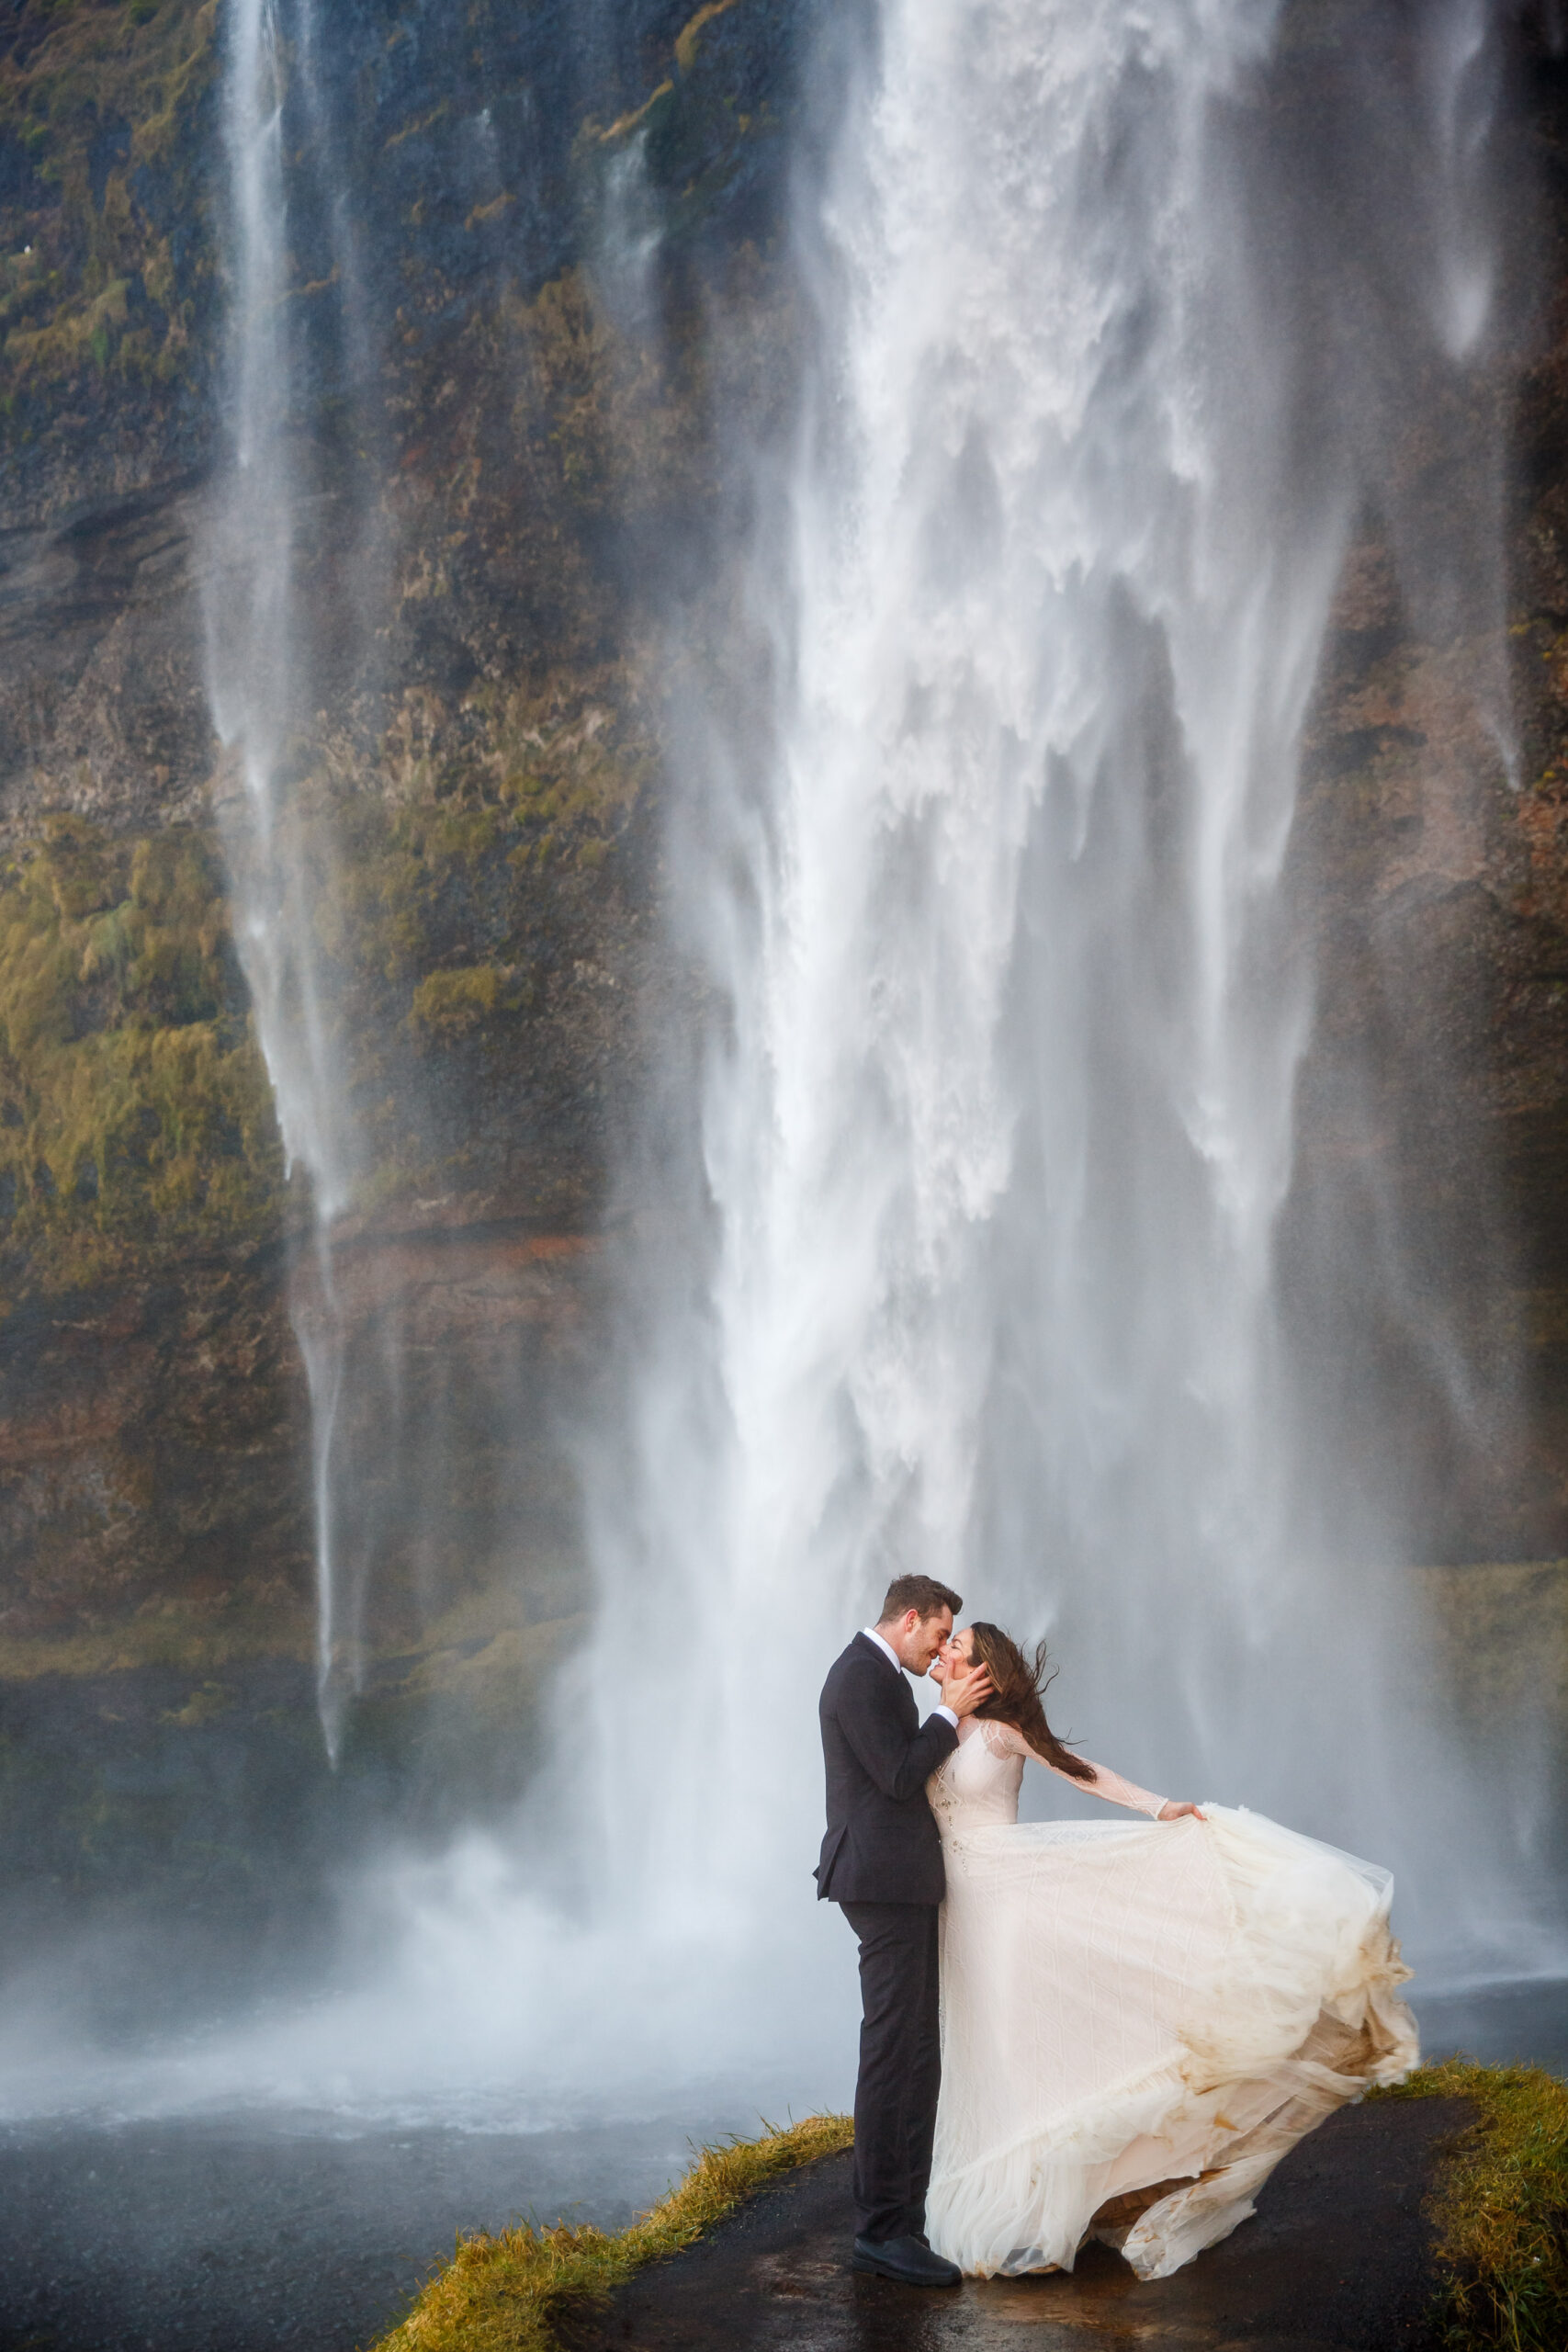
(882, 1844)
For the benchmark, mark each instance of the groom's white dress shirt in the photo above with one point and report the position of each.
(891, 1654)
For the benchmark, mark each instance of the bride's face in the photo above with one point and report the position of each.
(956, 1654)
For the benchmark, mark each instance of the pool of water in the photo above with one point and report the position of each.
(239, 2234)
(1499, 2022)
(234, 2233)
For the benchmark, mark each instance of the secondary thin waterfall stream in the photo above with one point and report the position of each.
(259, 669)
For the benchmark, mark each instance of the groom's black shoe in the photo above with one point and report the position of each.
(910, 2260)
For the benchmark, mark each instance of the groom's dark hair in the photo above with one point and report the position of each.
(923, 1593)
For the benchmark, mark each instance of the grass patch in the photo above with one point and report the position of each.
(505, 2293)
(1501, 2206)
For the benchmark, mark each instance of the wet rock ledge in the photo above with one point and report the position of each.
(1337, 2258)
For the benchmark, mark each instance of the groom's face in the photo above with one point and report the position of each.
(920, 1638)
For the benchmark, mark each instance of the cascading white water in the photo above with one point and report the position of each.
(256, 668)
(997, 1118)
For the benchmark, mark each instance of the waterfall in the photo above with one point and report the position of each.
(964, 1232)
(258, 683)
(992, 883)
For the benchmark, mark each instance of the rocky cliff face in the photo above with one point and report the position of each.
(1431, 857)
(510, 471)
(506, 461)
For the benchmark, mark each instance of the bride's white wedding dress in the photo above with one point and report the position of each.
(1138, 2018)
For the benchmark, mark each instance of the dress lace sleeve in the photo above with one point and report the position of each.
(1004, 1739)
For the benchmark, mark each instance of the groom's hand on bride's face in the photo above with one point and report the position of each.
(966, 1687)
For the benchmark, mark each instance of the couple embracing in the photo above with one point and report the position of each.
(1072, 2029)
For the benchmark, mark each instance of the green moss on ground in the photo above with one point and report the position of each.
(506, 2293)
(135, 1111)
(97, 98)
(1500, 2208)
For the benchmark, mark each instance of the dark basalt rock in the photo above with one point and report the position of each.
(1337, 2258)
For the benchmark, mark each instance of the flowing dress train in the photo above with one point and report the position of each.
(1139, 2019)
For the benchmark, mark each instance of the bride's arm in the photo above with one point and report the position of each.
(1107, 1784)
(1112, 1787)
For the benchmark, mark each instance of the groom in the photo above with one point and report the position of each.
(882, 1863)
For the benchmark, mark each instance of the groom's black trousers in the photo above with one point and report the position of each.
(900, 2066)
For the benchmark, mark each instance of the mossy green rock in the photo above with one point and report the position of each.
(136, 1119)
(108, 266)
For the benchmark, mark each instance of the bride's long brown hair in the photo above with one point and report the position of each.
(1020, 1688)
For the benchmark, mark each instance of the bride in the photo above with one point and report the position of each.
(1137, 2021)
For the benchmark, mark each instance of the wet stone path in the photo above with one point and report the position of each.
(1336, 2259)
